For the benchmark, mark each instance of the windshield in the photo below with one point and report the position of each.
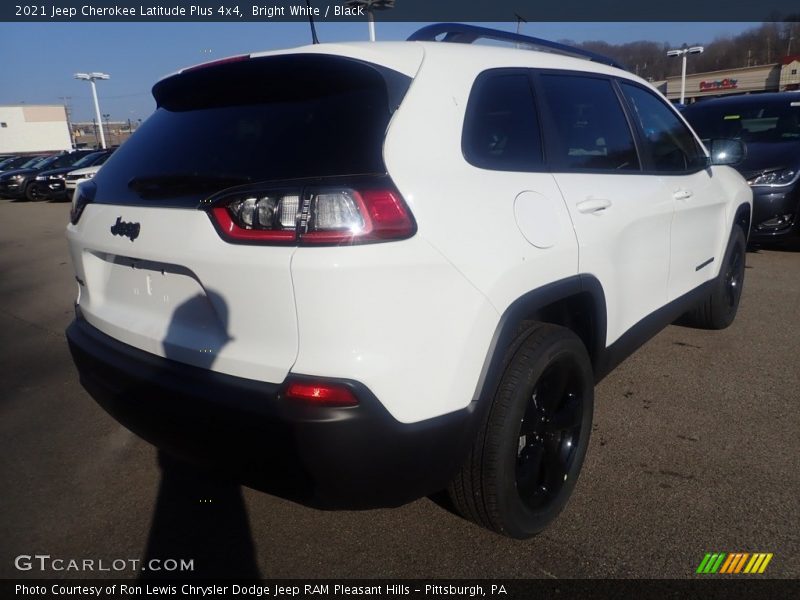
(64, 160)
(750, 122)
(33, 162)
(102, 159)
(256, 120)
(88, 160)
(48, 163)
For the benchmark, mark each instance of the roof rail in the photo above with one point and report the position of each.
(467, 34)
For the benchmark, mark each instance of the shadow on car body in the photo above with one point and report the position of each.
(199, 514)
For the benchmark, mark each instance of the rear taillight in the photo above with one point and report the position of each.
(313, 215)
(83, 195)
(321, 393)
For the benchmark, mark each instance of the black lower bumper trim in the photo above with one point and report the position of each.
(769, 205)
(354, 457)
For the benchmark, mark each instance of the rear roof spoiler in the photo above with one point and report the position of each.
(467, 34)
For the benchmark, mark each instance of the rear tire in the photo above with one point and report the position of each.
(719, 309)
(526, 458)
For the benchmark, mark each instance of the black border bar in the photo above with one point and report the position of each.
(708, 588)
(404, 11)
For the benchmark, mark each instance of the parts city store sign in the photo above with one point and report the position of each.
(724, 84)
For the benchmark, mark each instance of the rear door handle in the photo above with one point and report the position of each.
(682, 194)
(593, 205)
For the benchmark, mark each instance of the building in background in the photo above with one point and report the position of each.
(777, 77)
(86, 134)
(790, 73)
(33, 128)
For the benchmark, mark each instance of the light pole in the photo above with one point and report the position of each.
(94, 126)
(683, 52)
(91, 78)
(369, 6)
(106, 117)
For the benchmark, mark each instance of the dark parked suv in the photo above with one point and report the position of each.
(51, 184)
(18, 183)
(14, 162)
(769, 124)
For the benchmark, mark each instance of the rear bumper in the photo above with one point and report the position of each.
(356, 457)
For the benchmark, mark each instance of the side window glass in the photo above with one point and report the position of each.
(671, 145)
(501, 130)
(593, 132)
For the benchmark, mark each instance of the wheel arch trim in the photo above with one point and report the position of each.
(744, 217)
(528, 307)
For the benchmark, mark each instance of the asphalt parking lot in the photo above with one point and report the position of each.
(695, 449)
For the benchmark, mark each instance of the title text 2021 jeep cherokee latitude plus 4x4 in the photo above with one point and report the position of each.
(363, 273)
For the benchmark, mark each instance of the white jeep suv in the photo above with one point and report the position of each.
(358, 274)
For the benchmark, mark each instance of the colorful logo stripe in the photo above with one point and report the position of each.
(734, 563)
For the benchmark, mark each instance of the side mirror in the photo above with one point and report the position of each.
(727, 152)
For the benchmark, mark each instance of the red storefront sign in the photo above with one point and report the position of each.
(725, 84)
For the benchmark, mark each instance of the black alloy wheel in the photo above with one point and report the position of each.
(549, 434)
(526, 458)
(734, 277)
(719, 308)
(34, 193)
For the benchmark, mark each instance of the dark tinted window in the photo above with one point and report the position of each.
(102, 159)
(501, 129)
(669, 143)
(33, 162)
(88, 160)
(592, 132)
(256, 120)
(10, 163)
(51, 162)
(749, 121)
(62, 160)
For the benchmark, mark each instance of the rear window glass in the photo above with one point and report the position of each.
(593, 133)
(749, 121)
(501, 130)
(256, 120)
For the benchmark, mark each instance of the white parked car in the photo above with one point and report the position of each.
(73, 178)
(358, 274)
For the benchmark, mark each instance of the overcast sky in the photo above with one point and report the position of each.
(37, 60)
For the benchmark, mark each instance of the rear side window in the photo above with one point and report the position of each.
(592, 132)
(262, 119)
(670, 144)
(501, 129)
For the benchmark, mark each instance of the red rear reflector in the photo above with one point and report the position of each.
(388, 214)
(323, 394)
